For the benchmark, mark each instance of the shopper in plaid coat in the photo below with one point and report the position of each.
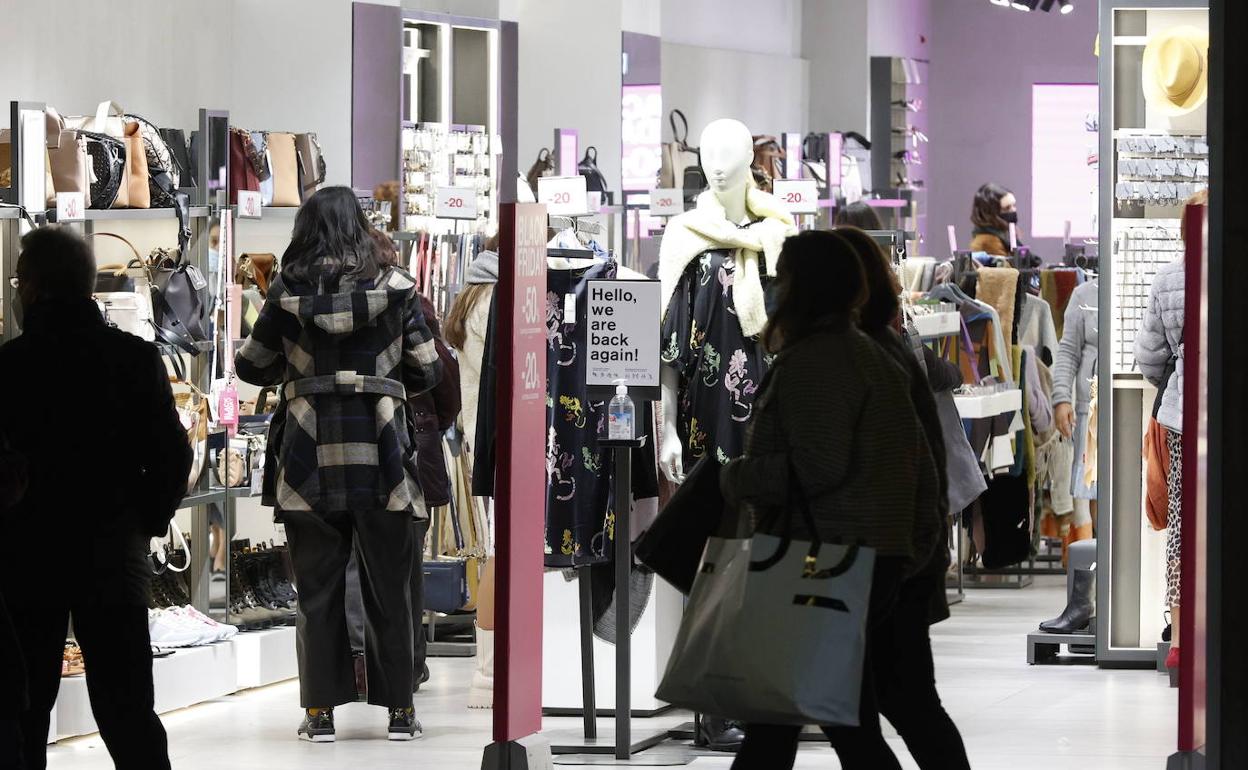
(342, 333)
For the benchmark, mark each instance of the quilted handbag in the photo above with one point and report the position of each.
(108, 167)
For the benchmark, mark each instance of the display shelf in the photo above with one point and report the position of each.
(991, 405)
(268, 212)
(9, 212)
(136, 215)
(936, 325)
(241, 492)
(214, 495)
(265, 657)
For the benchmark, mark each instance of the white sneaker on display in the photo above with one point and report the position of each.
(481, 693)
(213, 631)
(168, 629)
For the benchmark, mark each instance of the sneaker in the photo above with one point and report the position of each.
(318, 726)
(217, 632)
(403, 725)
(168, 629)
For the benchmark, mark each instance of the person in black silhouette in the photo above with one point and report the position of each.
(90, 411)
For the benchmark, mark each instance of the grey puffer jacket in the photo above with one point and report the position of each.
(1160, 339)
(1075, 364)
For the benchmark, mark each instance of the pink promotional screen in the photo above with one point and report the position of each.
(1064, 159)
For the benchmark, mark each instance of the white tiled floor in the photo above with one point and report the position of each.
(1012, 716)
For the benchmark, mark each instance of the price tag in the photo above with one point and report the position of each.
(563, 195)
(249, 204)
(799, 196)
(666, 202)
(455, 203)
(227, 408)
(70, 206)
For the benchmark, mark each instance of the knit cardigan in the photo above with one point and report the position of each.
(341, 438)
(836, 424)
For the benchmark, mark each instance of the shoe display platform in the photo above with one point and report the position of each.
(1045, 649)
(192, 675)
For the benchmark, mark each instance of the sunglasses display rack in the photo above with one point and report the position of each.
(1159, 168)
(899, 142)
(435, 156)
(1141, 248)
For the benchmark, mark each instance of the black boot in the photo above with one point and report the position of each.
(1080, 610)
(719, 734)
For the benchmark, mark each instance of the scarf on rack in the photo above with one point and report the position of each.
(706, 228)
(483, 269)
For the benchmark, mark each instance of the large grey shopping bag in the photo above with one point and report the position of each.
(774, 632)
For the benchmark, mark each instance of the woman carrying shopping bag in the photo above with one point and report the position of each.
(834, 445)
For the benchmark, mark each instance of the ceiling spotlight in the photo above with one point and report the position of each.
(1024, 5)
(1067, 6)
(1005, 3)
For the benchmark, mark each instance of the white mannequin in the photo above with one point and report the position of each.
(727, 153)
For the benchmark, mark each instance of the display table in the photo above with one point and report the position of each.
(190, 676)
(990, 405)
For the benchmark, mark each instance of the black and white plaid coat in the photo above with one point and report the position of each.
(341, 438)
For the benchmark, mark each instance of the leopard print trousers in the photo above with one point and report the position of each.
(1174, 509)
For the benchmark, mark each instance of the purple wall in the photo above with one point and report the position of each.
(984, 61)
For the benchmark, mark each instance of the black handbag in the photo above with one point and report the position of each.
(445, 585)
(108, 168)
(543, 166)
(674, 543)
(180, 154)
(594, 179)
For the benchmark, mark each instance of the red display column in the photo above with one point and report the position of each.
(1193, 683)
(520, 490)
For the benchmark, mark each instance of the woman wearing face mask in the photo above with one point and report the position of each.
(992, 212)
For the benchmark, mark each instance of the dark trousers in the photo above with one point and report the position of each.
(116, 649)
(320, 547)
(774, 747)
(905, 681)
(355, 600)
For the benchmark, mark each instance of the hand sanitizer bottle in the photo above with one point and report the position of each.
(620, 415)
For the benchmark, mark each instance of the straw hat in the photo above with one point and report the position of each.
(1176, 70)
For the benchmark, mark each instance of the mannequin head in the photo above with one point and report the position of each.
(727, 152)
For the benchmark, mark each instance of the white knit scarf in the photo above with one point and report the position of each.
(706, 227)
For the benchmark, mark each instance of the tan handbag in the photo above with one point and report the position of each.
(285, 166)
(134, 192)
(69, 165)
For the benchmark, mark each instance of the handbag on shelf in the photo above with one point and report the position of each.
(681, 165)
(192, 408)
(311, 164)
(109, 119)
(768, 161)
(179, 156)
(180, 300)
(764, 615)
(133, 192)
(242, 173)
(543, 166)
(256, 269)
(108, 168)
(163, 175)
(588, 168)
(285, 166)
(123, 294)
(69, 163)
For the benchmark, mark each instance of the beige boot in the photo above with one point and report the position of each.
(481, 694)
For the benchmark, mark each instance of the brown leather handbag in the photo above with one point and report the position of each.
(285, 165)
(134, 192)
(242, 173)
(768, 161)
(256, 270)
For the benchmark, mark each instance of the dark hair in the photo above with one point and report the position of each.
(818, 278)
(58, 263)
(986, 208)
(882, 306)
(858, 214)
(387, 254)
(332, 239)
